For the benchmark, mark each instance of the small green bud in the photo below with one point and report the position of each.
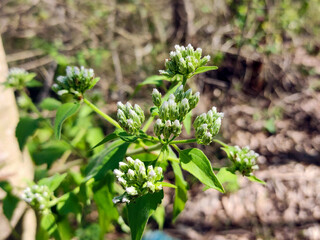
(121, 118)
(140, 112)
(188, 94)
(167, 129)
(176, 128)
(179, 93)
(200, 120)
(158, 127)
(173, 113)
(216, 127)
(198, 53)
(184, 108)
(200, 131)
(164, 111)
(207, 138)
(156, 97)
(193, 101)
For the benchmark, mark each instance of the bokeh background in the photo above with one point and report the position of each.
(267, 84)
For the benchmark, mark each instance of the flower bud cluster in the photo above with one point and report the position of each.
(173, 111)
(18, 78)
(244, 159)
(37, 197)
(207, 125)
(136, 179)
(184, 60)
(130, 118)
(76, 81)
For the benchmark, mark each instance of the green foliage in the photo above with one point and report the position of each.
(50, 104)
(25, 129)
(64, 112)
(139, 212)
(196, 162)
(64, 195)
(9, 204)
(181, 194)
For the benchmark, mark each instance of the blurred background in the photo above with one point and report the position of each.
(267, 84)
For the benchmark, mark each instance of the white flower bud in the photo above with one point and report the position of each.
(130, 173)
(125, 200)
(150, 186)
(156, 97)
(118, 173)
(131, 191)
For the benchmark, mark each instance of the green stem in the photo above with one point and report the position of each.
(148, 123)
(144, 149)
(192, 140)
(173, 159)
(221, 143)
(176, 147)
(102, 114)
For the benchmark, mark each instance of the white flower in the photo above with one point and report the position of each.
(125, 200)
(122, 180)
(159, 170)
(115, 200)
(131, 191)
(130, 160)
(151, 186)
(162, 71)
(118, 173)
(130, 173)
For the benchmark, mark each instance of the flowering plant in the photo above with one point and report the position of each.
(141, 177)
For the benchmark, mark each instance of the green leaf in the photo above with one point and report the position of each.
(159, 216)
(126, 136)
(270, 126)
(181, 192)
(103, 195)
(53, 182)
(50, 104)
(196, 162)
(48, 223)
(187, 122)
(64, 111)
(10, 203)
(34, 83)
(255, 179)
(204, 69)
(166, 184)
(228, 179)
(108, 159)
(155, 79)
(69, 203)
(108, 138)
(25, 128)
(139, 212)
(48, 153)
(94, 82)
(154, 111)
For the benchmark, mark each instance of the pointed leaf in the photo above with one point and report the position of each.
(9, 204)
(255, 179)
(64, 112)
(187, 122)
(25, 128)
(50, 104)
(181, 192)
(53, 182)
(139, 212)
(108, 138)
(107, 159)
(204, 69)
(196, 162)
